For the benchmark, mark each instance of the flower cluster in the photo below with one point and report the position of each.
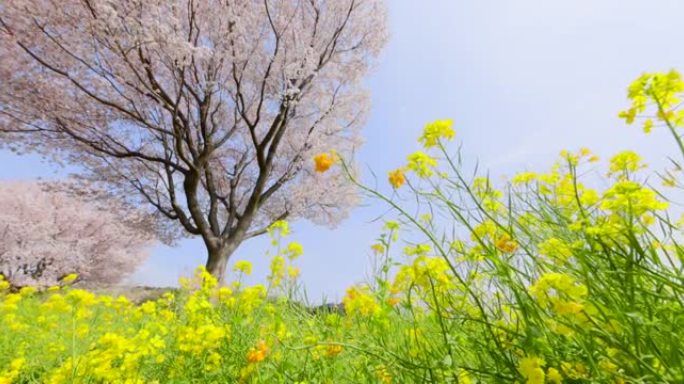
(419, 162)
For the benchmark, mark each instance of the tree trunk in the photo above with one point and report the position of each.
(218, 259)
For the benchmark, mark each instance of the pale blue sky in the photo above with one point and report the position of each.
(522, 79)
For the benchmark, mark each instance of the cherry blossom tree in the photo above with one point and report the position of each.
(47, 234)
(208, 111)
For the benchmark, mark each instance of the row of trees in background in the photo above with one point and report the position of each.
(206, 112)
(47, 233)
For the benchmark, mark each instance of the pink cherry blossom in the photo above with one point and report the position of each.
(46, 234)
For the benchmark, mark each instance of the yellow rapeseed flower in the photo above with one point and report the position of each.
(294, 250)
(574, 371)
(506, 245)
(27, 291)
(213, 362)
(632, 198)
(257, 354)
(280, 227)
(626, 161)
(531, 369)
(417, 250)
(397, 178)
(464, 377)
(664, 90)
(323, 162)
(421, 163)
(392, 301)
(277, 271)
(524, 178)
(333, 350)
(359, 300)
(252, 297)
(607, 365)
(555, 249)
(293, 272)
(438, 129)
(553, 376)
(11, 375)
(4, 284)
(243, 266)
(383, 374)
(70, 278)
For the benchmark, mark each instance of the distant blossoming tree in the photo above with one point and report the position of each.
(45, 235)
(208, 111)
